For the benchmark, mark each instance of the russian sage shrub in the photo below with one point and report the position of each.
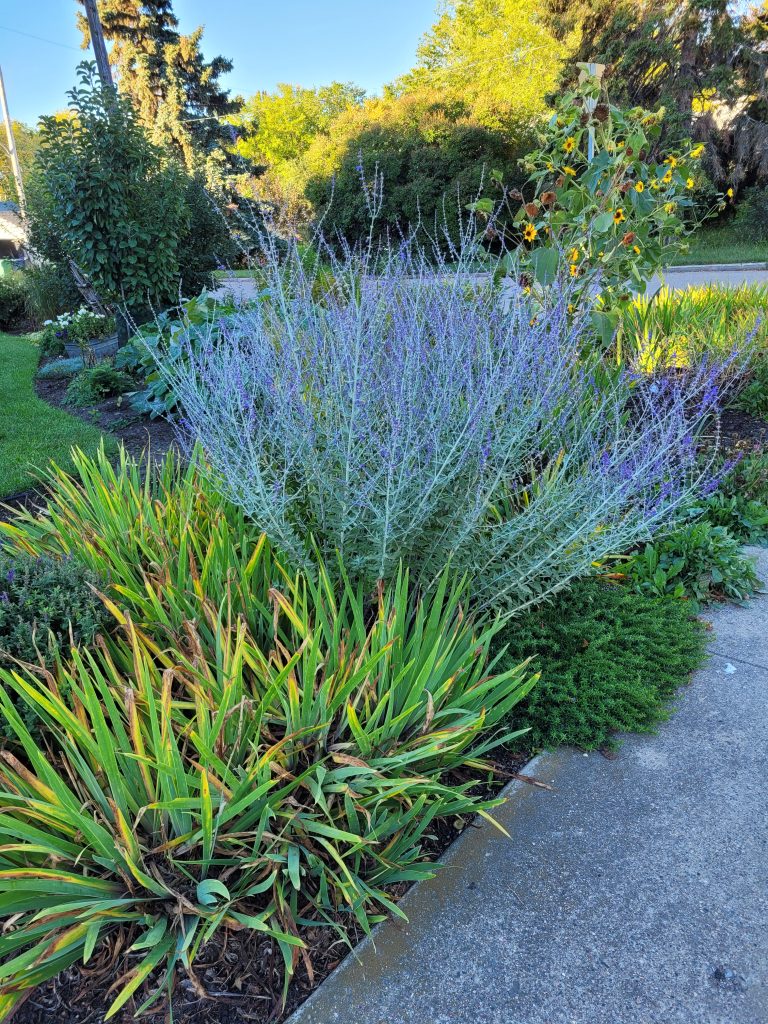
(406, 412)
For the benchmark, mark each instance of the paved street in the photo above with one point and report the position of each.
(676, 277)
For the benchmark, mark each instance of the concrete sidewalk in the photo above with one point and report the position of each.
(636, 892)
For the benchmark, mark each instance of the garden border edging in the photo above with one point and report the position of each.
(478, 834)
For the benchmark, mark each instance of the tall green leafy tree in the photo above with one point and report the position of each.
(500, 57)
(27, 140)
(177, 92)
(280, 126)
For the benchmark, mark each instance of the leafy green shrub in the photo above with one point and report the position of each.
(13, 300)
(751, 218)
(168, 339)
(740, 502)
(112, 200)
(753, 397)
(343, 744)
(93, 383)
(208, 241)
(698, 561)
(432, 155)
(51, 290)
(58, 369)
(45, 603)
(609, 658)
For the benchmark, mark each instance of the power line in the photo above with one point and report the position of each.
(40, 39)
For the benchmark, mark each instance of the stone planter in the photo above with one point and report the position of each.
(100, 347)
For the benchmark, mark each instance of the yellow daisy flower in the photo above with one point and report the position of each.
(697, 151)
(669, 207)
(639, 187)
(570, 144)
(574, 270)
(671, 160)
(530, 232)
(729, 193)
(569, 171)
(689, 183)
(573, 256)
(636, 249)
(619, 216)
(667, 178)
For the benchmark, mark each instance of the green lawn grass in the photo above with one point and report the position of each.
(31, 431)
(222, 275)
(722, 243)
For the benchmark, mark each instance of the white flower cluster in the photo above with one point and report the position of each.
(65, 320)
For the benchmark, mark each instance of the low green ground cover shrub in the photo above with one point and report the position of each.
(610, 660)
(93, 383)
(697, 561)
(46, 602)
(46, 605)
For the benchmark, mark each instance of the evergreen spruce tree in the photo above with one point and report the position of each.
(177, 93)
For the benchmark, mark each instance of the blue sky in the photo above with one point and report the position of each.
(309, 42)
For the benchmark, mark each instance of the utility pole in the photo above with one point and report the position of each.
(99, 46)
(11, 148)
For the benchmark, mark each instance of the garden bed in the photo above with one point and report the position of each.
(240, 972)
(114, 416)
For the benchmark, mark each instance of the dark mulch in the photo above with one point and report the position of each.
(238, 975)
(114, 416)
(31, 499)
(739, 428)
